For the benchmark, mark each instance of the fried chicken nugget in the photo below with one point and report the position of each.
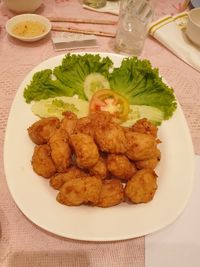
(42, 162)
(100, 118)
(120, 166)
(86, 150)
(72, 193)
(84, 125)
(111, 193)
(140, 146)
(59, 179)
(99, 169)
(142, 186)
(145, 126)
(60, 149)
(41, 130)
(80, 191)
(93, 187)
(87, 124)
(69, 121)
(149, 163)
(110, 138)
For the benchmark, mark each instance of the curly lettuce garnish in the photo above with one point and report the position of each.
(75, 69)
(135, 79)
(43, 86)
(141, 84)
(70, 77)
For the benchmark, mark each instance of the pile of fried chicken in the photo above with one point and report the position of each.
(95, 161)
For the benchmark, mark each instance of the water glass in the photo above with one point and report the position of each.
(134, 18)
(95, 3)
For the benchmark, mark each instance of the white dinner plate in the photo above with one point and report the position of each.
(37, 200)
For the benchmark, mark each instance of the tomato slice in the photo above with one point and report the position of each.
(107, 100)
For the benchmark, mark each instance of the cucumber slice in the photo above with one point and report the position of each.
(155, 115)
(54, 107)
(94, 82)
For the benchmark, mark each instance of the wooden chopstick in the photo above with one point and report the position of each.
(99, 33)
(89, 21)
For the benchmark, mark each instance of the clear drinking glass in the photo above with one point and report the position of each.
(95, 3)
(134, 17)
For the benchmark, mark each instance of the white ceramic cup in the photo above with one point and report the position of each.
(193, 26)
(23, 6)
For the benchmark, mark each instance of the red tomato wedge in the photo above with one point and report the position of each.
(107, 100)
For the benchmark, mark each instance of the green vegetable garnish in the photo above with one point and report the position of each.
(58, 104)
(43, 86)
(137, 81)
(82, 75)
(54, 107)
(94, 82)
(75, 69)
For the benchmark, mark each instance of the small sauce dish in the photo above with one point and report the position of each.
(193, 26)
(23, 6)
(28, 27)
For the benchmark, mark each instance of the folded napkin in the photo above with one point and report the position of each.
(179, 243)
(111, 7)
(170, 31)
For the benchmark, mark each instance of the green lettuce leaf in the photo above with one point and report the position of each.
(136, 80)
(75, 69)
(43, 86)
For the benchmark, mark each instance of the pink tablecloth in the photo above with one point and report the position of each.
(21, 242)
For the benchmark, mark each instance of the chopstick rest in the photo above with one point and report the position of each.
(68, 41)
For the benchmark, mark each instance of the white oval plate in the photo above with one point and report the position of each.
(37, 200)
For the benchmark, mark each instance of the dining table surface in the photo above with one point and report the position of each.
(23, 243)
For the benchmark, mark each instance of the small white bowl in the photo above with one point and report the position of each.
(23, 6)
(193, 26)
(11, 23)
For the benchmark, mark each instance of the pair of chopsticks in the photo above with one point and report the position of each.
(87, 21)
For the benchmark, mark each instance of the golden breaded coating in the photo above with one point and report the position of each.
(100, 118)
(69, 121)
(142, 186)
(120, 166)
(80, 191)
(148, 163)
(110, 138)
(111, 193)
(41, 130)
(86, 150)
(84, 125)
(140, 146)
(60, 149)
(145, 126)
(59, 179)
(42, 162)
(99, 169)
(95, 161)
(93, 187)
(72, 193)
(88, 124)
